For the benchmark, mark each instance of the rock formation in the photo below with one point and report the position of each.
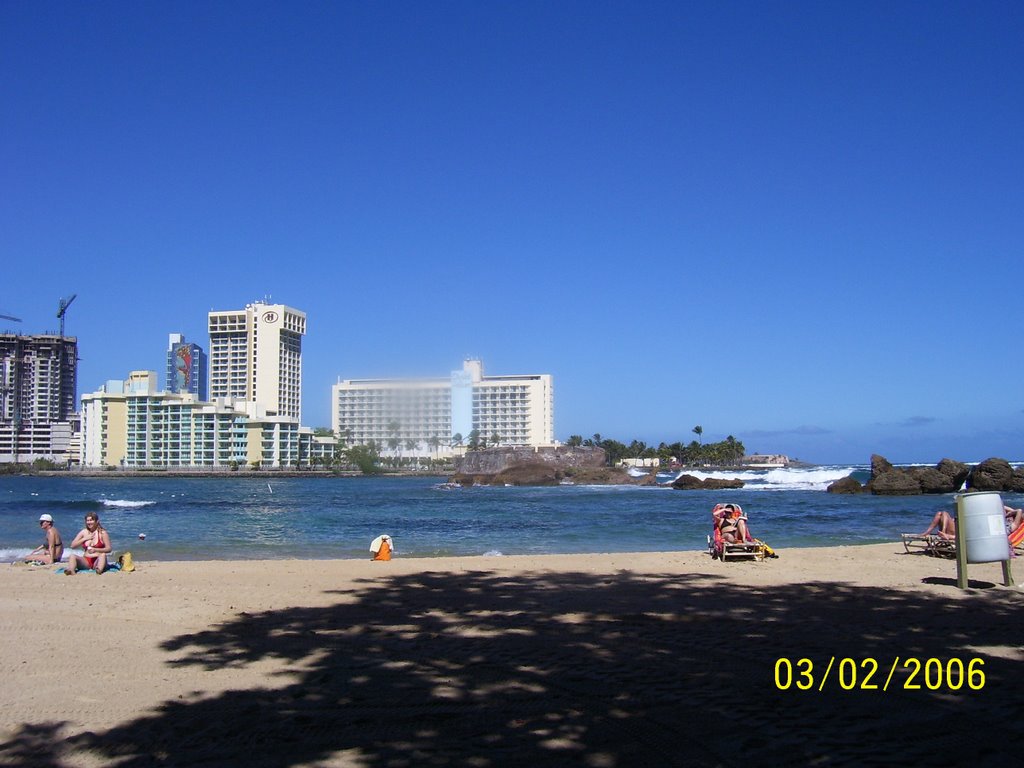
(491, 461)
(848, 484)
(691, 483)
(947, 476)
(996, 475)
(542, 466)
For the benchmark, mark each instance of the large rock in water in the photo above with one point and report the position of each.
(992, 475)
(848, 484)
(491, 461)
(895, 483)
(691, 483)
(542, 466)
(956, 471)
(527, 474)
(947, 476)
(932, 480)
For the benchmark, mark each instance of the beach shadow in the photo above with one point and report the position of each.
(491, 669)
(944, 581)
(36, 744)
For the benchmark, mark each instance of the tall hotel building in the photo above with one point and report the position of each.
(256, 356)
(186, 367)
(38, 379)
(423, 416)
(132, 425)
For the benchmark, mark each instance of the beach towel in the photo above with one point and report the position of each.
(1017, 536)
(113, 568)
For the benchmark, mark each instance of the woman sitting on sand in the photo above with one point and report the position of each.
(944, 526)
(51, 550)
(95, 543)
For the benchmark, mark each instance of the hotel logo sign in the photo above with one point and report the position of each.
(270, 317)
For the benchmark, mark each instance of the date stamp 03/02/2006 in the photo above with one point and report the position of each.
(867, 674)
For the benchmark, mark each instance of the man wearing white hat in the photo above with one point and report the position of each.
(51, 551)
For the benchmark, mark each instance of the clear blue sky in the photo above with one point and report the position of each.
(798, 223)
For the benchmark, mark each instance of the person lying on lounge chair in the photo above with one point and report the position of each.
(732, 524)
(943, 525)
(1014, 518)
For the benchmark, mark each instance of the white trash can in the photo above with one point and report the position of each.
(981, 515)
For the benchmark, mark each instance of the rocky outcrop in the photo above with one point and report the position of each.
(691, 483)
(991, 475)
(848, 484)
(956, 471)
(948, 476)
(880, 465)
(527, 474)
(491, 461)
(896, 482)
(542, 466)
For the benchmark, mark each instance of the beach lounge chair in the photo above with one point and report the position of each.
(1016, 538)
(929, 545)
(724, 550)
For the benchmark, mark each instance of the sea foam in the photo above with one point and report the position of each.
(783, 479)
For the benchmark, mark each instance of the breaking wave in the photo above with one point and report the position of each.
(785, 479)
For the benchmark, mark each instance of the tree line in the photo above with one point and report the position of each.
(695, 453)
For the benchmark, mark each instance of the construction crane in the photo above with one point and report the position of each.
(62, 307)
(10, 317)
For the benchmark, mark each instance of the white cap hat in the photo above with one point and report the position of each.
(45, 519)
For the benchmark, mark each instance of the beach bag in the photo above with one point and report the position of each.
(765, 549)
(126, 562)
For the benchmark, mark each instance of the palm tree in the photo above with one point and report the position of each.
(435, 443)
(495, 439)
(698, 431)
(393, 442)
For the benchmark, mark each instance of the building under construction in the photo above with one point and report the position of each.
(38, 385)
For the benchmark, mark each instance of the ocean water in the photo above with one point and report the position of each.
(322, 518)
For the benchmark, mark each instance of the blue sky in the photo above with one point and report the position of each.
(798, 223)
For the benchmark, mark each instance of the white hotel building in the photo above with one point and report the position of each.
(256, 355)
(424, 415)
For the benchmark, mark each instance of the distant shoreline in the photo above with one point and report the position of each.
(255, 474)
(320, 473)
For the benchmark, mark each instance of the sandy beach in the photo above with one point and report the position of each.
(594, 660)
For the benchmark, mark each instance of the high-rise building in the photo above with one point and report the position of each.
(38, 378)
(256, 356)
(431, 417)
(186, 367)
(130, 424)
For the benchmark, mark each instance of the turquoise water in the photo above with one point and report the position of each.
(318, 518)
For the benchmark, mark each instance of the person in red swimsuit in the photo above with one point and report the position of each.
(95, 543)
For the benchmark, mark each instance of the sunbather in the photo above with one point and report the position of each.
(731, 523)
(51, 550)
(95, 543)
(1014, 518)
(943, 525)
